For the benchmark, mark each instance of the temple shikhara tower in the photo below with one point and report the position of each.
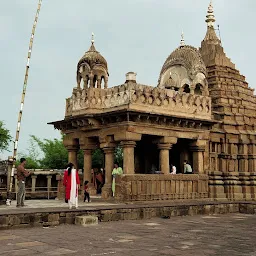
(202, 110)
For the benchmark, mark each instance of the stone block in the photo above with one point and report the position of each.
(87, 220)
(14, 220)
(3, 220)
(53, 217)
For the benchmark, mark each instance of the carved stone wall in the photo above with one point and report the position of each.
(140, 187)
(138, 97)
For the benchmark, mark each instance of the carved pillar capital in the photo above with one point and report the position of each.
(108, 150)
(87, 151)
(197, 148)
(71, 148)
(128, 144)
(164, 146)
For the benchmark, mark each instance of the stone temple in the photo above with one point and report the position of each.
(201, 110)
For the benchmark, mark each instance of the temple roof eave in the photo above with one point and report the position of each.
(98, 120)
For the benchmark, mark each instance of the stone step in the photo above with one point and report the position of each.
(86, 220)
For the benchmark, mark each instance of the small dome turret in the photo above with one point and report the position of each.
(92, 68)
(184, 71)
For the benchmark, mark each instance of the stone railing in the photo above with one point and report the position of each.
(40, 184)
(161, 187)
(138, 97)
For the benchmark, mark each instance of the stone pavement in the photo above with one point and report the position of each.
(44, 204)
(224, 235)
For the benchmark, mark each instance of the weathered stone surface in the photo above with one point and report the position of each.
(86, 220)
(223, 235)
(127, 212)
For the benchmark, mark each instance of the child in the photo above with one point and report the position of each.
(86, 191)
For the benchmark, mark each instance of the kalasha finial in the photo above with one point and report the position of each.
(92, 38)
(210, 17)
(182, 41)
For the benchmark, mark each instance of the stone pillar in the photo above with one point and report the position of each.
(16, 184)
(87, 164)
(99, 83)
(252, 157)
(223, 157)
(243, 158)
(128, 161)
(109, 165)
(105, 82)
(91, 80)
(86, 79)
(198, 149)
(87, 170)
(49, 185)
(72, 156)
(49, 182)
(33, 185)
(9, 171)
(164, 157)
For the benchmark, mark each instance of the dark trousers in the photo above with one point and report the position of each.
(86, 195)
(99, 186)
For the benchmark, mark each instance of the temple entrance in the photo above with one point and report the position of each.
(180, 152)
(146, 156)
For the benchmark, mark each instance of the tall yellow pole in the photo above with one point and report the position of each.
(8, 201)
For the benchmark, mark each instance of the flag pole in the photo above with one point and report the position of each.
(11, 174)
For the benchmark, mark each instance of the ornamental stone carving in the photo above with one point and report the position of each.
(138, 97)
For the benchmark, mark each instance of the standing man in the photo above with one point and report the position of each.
(187, 168)
(21, 176)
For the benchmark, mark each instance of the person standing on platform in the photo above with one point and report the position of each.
(99, 181)
(86, 191)
(187, 168)
(116, 171)
(21, 177)
(71, 182)
(173, 169)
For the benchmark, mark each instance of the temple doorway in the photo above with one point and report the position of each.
(179, 153)
(146, 156)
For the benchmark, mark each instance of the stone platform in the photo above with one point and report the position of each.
(200, 235)
(53, 212)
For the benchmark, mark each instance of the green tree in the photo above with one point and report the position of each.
(5, 137)
(32, 157)
(97, 158)
(119, 155)
(31, 163)
(55, 155)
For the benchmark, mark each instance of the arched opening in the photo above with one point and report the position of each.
(94, 81)
(186, 88)
(198, 89)
(102, 80)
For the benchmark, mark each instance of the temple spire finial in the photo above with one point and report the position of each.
(92, 38)
(92, 48)
(210, 17)
(182, 41)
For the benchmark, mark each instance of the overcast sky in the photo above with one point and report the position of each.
(134, 35)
